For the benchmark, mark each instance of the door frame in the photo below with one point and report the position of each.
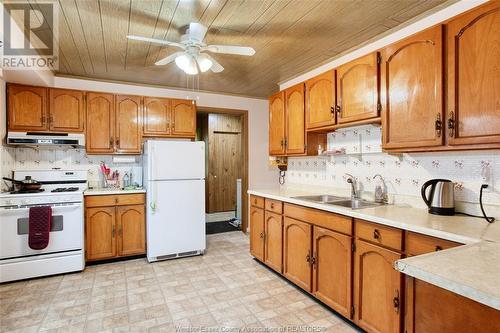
(244, 179)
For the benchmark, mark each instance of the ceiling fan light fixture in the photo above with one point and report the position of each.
(187, 63)
(204, 62)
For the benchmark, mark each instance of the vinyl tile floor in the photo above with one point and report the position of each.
(224, 290)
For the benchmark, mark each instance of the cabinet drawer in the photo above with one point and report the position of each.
(257, 201)
(379, 234)
(274, 206)
(419, 244)
(320, 218)
(114, 200)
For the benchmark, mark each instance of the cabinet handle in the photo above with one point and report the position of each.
(395, 301)
(282, 143)
(438, 248)
(313, 261)
(116, 200)
(286, 142)
(376, 234)
(338, 109)
(439, 125)
(308, 257)
(118, 142)
(42, 119)
(111, 142)
(262, 235)
(451, 124)
(272, 205)
(332, 110)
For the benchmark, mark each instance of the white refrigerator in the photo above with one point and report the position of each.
(174, 176)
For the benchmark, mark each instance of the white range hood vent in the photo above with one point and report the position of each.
(42, 139)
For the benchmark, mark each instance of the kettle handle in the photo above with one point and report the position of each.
(424, 188)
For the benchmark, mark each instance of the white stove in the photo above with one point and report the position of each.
(64, 252)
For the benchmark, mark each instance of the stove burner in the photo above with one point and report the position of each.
(65, 189)
(27, 191)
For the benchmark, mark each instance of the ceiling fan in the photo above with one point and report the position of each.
(193, 58)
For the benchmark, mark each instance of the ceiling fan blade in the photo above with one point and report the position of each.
(230, 49)
(216, 67)
(197, 31)
(156, 41)
(168, 59)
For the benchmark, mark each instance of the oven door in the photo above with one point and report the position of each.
(66, 231)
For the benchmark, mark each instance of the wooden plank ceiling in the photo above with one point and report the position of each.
(289, 36)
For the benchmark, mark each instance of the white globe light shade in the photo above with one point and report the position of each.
(204, 62)
(182, 61)
(187, 63)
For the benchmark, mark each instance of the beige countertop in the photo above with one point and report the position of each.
(471, 270)
(111, 191)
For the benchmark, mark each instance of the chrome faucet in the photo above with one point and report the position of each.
(351, 180)
(381, 191)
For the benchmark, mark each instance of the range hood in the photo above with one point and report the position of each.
(42, 139)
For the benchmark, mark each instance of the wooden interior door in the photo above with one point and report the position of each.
(295, 139)
(100, 233)
(156, 117)
(257, 232)
(320, 100)
(332, 269)
(128, 122)
(277, 124)
(473, 115)
(66, 110)
(273, 239)
(358, 89)
(412, 81)
(377, 289)
(27, 108)
(183, 118)
(131, 223)
(99, 130)
(297, 252)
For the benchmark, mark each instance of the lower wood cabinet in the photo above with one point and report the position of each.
(297, 254)
(273, 239)
(257, 232)
(116, 230)
(332, 269)
(377, 289)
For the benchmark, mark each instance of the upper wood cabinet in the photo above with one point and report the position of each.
(277, 125)
(100, 129)
(66, 110)
(358, 89)
(257, 232)
(473, 114)
(320, 100)
(295, 139)
(183, 118)
(156, 117)
(377, 289)
(128, 124)
(297, 252)
(412, 78)
(27, 108)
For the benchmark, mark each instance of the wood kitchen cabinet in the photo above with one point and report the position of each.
(295, 138)
(297, 252)
(358, 89)
(320, 100)
(273, 240)
(115, 226)
(183, 117)
(257, 227)
(277, 124)
(156, 117)
(27, 108)
(473, 99)
(412, 75)
(66, 110)
(100, 129)
(128, 124)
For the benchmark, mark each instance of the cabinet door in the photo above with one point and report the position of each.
(183, 118)
(156, 119)
(295, 140)
(377, 289)
(27, 108)
(257, 232)
(473, 113)
(99, 129)
(277, 124)
(297, 254)
(332, 269)
(320, 95)
(100, 233)
(412, 83)
(357, 89)
(66, 110)
(128, 120)
(273, 238)
(130, 221)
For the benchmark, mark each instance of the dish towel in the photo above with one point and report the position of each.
(39, 227)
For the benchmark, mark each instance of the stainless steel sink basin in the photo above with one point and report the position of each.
(355, 203)
(322, 198)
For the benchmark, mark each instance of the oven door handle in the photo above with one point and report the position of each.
(54, 206)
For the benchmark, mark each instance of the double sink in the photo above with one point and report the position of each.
(338, 201)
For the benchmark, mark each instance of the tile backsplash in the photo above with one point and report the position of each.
(73, 159)
(404, 173)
